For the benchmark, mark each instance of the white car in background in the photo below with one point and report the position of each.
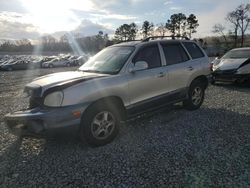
(56, 63)
(234, 66)
(82, 59)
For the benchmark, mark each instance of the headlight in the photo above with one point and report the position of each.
(54, 99)
(216, 62)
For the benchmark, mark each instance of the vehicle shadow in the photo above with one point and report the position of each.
(180, 145)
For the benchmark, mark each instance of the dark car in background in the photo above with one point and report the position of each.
(18, 65)
(234, 66)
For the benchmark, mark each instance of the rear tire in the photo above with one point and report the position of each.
(195, 95)
(100, 125)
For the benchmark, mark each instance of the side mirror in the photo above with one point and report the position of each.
(139, 65)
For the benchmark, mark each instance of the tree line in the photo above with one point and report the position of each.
(178, 25)
(66, 43)
(239, 20)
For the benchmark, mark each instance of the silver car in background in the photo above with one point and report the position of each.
(56, 63)
(120, 82)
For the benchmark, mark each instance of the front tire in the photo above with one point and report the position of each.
(195, 95)
(100, 125)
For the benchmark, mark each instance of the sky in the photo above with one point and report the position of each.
(34, 18)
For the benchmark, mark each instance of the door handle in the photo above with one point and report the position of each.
(161, 74)
(190, 68)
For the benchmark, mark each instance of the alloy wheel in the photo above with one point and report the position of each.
(103, 125)
(197, 96)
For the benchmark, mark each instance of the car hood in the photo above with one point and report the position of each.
(62, 79)
(228, 64)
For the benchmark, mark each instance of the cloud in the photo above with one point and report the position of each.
(114, 16)
(17, 30)
(175, 8)
(16, 26)
(133, 8)
(12, 26)
(168, 2)
(29, 18)
(88, 28)
(207, 19)
(12, 6)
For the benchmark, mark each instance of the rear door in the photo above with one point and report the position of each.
(179, 64)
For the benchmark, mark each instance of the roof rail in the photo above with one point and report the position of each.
(122, 41)
(161, 37)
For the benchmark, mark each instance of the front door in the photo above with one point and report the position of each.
(146, 86)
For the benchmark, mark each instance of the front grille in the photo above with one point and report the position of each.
(35, 95)
(35, 102)
(230, 71)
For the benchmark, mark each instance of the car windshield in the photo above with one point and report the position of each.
(108, 61)
(237, 54)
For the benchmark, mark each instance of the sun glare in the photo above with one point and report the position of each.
(56, 15)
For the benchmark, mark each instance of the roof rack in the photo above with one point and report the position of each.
(161, 37)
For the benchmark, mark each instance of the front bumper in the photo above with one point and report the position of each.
(38, 120)
(45, 65)
(230, 77)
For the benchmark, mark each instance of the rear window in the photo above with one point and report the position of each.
(193, 50)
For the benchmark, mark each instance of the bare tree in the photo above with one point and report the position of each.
(242, 12)
(219, 29)
(233, 18)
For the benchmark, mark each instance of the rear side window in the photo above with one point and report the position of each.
(174, 53)
(193, 50)
(150, 54)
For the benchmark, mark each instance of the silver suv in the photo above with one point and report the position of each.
(119, 82)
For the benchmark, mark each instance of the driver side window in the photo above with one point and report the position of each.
(149, 54)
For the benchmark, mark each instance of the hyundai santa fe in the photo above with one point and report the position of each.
(119, 82)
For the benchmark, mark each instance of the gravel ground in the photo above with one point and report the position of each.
(209, 147)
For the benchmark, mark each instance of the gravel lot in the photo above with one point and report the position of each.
(209, 147)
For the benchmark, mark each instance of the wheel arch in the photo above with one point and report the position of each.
(113, 102)
(201, 78)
